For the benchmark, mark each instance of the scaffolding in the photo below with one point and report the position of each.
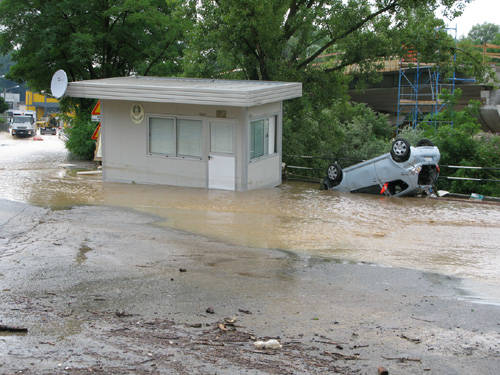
(420, 86)
(419, 94)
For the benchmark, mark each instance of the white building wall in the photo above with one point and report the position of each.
(266, 170)
(125, 145)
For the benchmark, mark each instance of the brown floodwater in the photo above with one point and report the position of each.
(453, 238)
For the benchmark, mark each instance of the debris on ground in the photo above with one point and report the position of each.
(6, 328)
(272, 344)
(413, 340)
(402, 359)
(122, 314)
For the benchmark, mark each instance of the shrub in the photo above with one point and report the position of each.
(344, 131)
(3, 106)
(79, 142)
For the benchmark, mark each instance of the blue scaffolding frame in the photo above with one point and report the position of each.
(419, 89)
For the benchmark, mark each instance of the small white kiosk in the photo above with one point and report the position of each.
(216, 134)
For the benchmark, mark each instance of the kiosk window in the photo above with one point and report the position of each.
(175, 137)
(262, 137)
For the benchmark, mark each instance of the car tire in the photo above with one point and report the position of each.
(425, 142)
(334, 174)
(400, 150)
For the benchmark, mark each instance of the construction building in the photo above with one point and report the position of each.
(41, 104)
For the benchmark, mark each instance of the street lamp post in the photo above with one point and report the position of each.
(5, 94)
(5, 89)
(8, 88)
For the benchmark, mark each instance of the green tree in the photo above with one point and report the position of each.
(3, 106)
(92, 39)
(5, 64)
(496, 39)
(278, 39)
(484, 33)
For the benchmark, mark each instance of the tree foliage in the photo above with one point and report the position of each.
(79, 141)
(5, 64)
(480, 34)
(277, 39)
(3, 106)
(92, 39)
(484, 33)
(345, 132)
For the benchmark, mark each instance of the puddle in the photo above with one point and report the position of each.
(61, 329)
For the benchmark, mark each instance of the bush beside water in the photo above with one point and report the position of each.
(79, 142)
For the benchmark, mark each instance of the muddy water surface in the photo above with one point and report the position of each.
(454, 238)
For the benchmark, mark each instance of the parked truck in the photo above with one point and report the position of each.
(22, 125)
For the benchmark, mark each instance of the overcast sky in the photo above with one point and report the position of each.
(477, 12)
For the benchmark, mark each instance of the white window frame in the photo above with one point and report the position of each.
(174, 118)
(258, 118)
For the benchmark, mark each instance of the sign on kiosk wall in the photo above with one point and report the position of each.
(96, 112)
(96, 134)
(96, 116)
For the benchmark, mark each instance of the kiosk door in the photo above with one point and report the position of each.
(221, 159)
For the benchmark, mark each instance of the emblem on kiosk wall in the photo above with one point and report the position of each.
(137, 113)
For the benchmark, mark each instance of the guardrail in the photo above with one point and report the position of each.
(456, 178)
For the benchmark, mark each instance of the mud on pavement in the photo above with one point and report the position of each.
(105, 290)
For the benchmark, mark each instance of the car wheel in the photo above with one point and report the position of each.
(425, 142)
(400, 150)
(334, 174)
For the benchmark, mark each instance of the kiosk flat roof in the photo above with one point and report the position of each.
(186, 90)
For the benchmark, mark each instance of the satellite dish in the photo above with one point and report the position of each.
(59, 84)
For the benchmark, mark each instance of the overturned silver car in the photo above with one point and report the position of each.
(406, 170)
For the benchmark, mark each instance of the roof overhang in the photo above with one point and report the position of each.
(186, 90)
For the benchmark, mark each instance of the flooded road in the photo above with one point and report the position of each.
(453, 238)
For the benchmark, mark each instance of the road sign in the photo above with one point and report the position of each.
(96, 112)
(97, 130)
